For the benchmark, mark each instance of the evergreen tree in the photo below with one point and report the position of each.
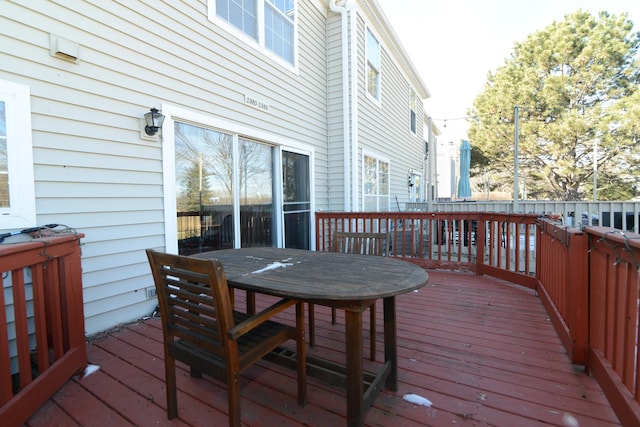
(577, 87)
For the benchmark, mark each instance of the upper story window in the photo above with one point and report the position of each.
(373, 66)
(413, 111)
(270, 23)
(17, 196)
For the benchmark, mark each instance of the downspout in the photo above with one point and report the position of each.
(342, 10)
(430, 153)
(355, 190)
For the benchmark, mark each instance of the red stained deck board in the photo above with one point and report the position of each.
(268, 384)
(85, 408)
(51, 412)
(481, 349)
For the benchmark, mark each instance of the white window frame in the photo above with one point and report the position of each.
(379, 197)
(376, 67)
(22, 210)
(259, 44)
(174, 113)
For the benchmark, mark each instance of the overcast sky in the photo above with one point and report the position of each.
(455, 43)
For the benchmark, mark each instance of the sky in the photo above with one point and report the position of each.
(454, 44)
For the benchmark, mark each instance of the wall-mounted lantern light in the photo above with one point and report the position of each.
(153, 121)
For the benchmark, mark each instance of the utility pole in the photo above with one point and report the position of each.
(595, 171)
(515, 159)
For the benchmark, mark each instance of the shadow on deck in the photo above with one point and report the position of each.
(482, 350)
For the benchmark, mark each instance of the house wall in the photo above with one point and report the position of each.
(93, 171)
(96, 172)
(384, 128)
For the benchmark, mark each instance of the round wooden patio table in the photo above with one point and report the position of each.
(349, 282)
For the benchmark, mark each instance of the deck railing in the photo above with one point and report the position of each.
(587, 279)
(501, 245)
(564, 284)
(614, 260)
(42, 342)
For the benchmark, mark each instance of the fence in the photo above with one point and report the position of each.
(42, 289)
(621, 215)
(211, 228)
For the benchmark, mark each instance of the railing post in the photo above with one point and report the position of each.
(578, 294)
(481, 241)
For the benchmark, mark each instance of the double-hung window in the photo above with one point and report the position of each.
(413, 108)
(373, 66)
(376, 184)
(17, 196)
(269, 23)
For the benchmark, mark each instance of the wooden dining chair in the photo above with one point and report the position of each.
(201, 329)
(361, 244)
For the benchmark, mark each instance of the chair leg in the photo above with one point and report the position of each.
(233, 385)
(372, 332)
(195, 373)
(312, 326)
(170, 380)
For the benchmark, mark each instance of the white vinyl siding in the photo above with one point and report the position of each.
(95, 171)
(384, 129)
(92, 169)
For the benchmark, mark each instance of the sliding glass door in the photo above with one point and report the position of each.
(255, 183)
(224, 191)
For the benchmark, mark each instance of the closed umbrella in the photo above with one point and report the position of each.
(464, 185)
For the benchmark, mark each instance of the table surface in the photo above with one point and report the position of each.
(352, 282)
(318, 276)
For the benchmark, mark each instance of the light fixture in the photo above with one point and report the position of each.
(154, 121)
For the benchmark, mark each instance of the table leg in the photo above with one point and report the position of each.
(391, 342)
(355, 378)
(251, 303)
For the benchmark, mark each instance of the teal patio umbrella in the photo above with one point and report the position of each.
(464, 185)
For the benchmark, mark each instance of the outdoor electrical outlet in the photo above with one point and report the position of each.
(151, 293)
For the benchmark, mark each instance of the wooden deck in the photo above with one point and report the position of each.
(482, 350)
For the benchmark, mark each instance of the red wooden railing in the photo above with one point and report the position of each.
(562, 268)
(501, 245)
(614, 260)
(588, 280)
(47, 325)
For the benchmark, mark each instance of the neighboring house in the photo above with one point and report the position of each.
(272, 112)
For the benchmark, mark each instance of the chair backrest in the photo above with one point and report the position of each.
(359, 243)
(194, 300)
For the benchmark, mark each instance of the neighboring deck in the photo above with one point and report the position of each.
(482, 350)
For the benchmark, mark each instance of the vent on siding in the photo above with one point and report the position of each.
(63, 48)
